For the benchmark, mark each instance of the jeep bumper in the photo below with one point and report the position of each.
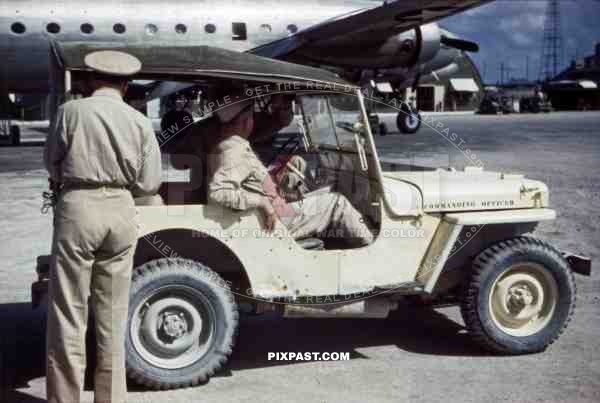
(579, 264)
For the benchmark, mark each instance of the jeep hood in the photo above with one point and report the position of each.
(470, 190)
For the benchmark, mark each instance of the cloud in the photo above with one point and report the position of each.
(511, 32)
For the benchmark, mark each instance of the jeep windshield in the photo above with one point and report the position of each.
(333, 120)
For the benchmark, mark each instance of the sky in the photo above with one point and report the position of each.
(510, 30)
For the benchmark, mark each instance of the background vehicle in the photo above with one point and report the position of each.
(534, 105)
(442, 234)
(10, 133)
(495, 102)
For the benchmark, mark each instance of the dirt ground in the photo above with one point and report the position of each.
(419, 355)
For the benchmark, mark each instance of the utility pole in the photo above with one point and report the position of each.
(552, 46)
(484, 71)
(527, 68)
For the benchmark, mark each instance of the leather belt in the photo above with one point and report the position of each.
(91, 186)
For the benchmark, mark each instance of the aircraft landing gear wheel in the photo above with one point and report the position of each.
(15, 135)
(408, 122)
(181, 325)
(520, 297)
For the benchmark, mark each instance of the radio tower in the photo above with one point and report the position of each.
(552, 45)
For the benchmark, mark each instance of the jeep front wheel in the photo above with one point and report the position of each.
(520, 298)
(181, 325)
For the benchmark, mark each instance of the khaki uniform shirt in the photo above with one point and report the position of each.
(238, 179)
(102, 140)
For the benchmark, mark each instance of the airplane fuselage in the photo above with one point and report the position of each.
(27, 26)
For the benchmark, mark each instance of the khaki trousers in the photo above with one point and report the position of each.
(328, 215)
(92, 257)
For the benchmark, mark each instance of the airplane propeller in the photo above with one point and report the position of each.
(459, 44)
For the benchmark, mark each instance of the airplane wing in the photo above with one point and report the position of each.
(367, 27)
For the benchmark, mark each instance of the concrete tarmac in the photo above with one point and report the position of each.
(419, 355)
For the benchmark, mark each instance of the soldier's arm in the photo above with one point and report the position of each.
(150, 166)
(56, 146)
(230, 170)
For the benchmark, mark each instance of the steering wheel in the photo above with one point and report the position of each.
(347, 126)
(295, 140)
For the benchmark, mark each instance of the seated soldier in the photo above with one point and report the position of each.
(240, 181)
(289, 171)
(277, 115)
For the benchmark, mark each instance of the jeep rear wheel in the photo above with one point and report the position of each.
(181, 326)
(520, 298)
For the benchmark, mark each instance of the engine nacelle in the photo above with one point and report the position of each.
(430, 42)
(409, 48)
(404, 50)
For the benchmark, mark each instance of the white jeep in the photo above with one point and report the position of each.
(442, 235)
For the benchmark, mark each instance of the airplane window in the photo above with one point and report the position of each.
(18, 28)
(181, 29)
(53, 28)
(266, 27)
(239, 31)
(119, 28)
(292, 28)
(151, 29)
(210, 28)
(87, 28)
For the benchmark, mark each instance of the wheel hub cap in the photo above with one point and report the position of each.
(523, 299)
(173, 325)
(519, 297)
(170, 327)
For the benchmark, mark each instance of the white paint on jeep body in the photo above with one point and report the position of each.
(449, 190)
(277, 267)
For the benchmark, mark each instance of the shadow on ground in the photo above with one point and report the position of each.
(14, 396)
(419, 330)
(22, 350)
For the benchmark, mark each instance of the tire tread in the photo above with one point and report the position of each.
(154, 269)
(469, 304)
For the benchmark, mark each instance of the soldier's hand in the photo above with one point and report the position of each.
(270, 221)
(270, 215)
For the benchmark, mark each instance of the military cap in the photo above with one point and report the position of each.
(113, 63)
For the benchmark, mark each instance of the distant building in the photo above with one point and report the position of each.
(577, 87)
(457, 87)
(459, 91)
(519, 88)
(516, 89)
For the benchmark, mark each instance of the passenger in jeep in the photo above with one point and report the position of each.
(289, 171)
(239, 180)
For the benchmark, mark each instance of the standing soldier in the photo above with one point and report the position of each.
(101, 153)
